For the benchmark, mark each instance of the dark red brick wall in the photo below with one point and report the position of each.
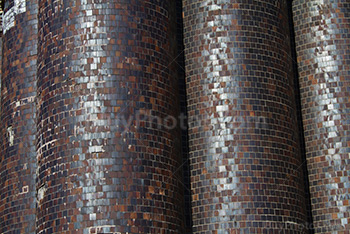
(99, 64)
(18, 127)
(322, 44)
(94, 138)
(244, 153)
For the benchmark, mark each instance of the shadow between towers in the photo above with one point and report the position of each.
(300, 120)
(180, 60)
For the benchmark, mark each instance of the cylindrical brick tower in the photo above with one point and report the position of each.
(18, 127)
(322, 31)
(244, 153)
(108, 149)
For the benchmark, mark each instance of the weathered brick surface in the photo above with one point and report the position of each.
(244, 152)
(100, 64)
(18, 127)
(101, 127)
(322, 44)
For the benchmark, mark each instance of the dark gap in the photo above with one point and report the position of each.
(300, 120)
(2, 5)
(183, 108)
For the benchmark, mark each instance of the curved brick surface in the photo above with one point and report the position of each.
(100, 64)
(18, 127)
(245, 160)
(322, 30)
